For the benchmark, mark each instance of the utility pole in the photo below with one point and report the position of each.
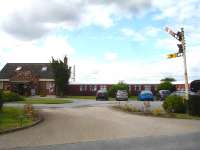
(182, 52)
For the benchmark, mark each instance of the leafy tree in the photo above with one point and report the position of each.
(120, 86)
(166, 86)
(62, 74)
(168, 79)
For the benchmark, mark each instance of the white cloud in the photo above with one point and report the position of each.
(111, 56)
(178, 11)
(135, 36)
(32, 19)
(152, 31)
(142, 34)
(34, 51)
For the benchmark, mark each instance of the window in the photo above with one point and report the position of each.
(95, 88)
(18, 68)
(81, 88)
(91, 88)
(1, 85)
(147, 87)
(44, 68)
(50, 87)
(101, 87)
(129, 87)
(85, 87)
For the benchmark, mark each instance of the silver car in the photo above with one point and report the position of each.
(122, 95)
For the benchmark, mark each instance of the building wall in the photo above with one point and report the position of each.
(91, 89)
(46, 88)
(6, 85)
(49, 88)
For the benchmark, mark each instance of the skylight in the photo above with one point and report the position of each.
(44, 68)
(18, 68)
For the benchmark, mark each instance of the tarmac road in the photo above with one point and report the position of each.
(105, 128)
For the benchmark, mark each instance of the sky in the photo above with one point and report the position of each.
(107, 40)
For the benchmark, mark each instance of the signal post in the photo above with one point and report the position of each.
(181, 53)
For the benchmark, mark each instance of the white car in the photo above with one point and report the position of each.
(122, 95)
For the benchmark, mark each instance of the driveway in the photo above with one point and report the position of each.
(73, 125)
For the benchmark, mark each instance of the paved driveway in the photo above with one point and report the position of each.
(72, 125)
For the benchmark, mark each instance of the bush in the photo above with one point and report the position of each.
(1, 100)
(166, 86)
(9, 96)
(174, 104)
(194, 105)
(130, 108)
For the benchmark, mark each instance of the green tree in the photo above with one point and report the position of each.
(62, 74)
(120, 86)
(166, 85)
(168, 79)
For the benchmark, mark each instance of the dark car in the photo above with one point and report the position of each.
(163, 94)
(102, 95)
(146, 95)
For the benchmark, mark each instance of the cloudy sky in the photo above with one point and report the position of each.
(107, 40)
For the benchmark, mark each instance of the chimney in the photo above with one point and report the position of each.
(65, 60)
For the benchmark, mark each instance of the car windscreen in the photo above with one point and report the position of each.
(146, 92)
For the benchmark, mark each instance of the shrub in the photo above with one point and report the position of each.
(194, 105)
(130, 108)
(174, 104)
(9, 96)
(157, 112)
(1, 100)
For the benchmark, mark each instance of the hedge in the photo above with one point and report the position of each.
(8, 96)
(194, 105)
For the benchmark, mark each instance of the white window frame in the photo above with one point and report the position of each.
(81, 88)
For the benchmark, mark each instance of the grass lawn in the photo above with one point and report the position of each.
(135, 98)
(10, 118)
(45, 101)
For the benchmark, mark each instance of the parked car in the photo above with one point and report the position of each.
(102, 95)
(122, 95)
(195, 86)
(163, 94)
(146, 95)
(182, 93)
